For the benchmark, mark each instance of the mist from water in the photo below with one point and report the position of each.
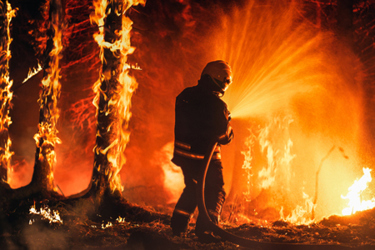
(285, 67)
(274, 57)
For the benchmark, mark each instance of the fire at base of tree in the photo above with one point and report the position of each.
(86, 121)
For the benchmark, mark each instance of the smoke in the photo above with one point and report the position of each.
(171, 41)
(173, 178)
(283, 67)
(20, 174)
(35, 237)
(171, 49)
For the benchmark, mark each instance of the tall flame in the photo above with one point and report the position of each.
(246, 166)
(114, 89)
(47, 138)
(355, 202)
(5, 91)
(275, 142)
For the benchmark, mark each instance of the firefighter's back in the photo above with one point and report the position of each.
(200, 117)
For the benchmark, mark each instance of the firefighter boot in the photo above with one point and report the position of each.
(179, 223)
(202, 230)
(214, 208)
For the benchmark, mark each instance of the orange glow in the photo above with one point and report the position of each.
(303, 93)
(272, 56)
(20, 174)
(355, 202)
(47, 138)
(173, 179)
(292, 80)
(6, 95)
(119, 103)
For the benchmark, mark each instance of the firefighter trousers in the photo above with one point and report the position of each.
(187, 203)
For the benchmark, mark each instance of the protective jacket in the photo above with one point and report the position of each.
(201, 116)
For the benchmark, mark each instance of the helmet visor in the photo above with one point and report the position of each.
(227, 81)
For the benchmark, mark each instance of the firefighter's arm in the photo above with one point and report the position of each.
(228, 135)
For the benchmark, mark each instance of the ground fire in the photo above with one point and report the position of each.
(88, 89)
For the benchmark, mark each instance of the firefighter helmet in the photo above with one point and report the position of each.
(220, 72)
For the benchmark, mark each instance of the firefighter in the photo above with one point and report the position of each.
(201, 117)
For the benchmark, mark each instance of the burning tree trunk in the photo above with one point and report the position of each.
(6, 14)
(46, 138)
(113, 92)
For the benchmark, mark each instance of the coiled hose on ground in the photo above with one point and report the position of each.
(244, 242)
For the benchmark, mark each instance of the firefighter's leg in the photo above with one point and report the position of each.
(186, 204)
(214, 197)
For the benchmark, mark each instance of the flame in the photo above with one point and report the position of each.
(33, 72)
(119, 101)
(287, 78)
(301, 214)
(47, 138)
(98, 18)
(6, 96)
(274, 139)
(275, 144)
(120, 219)
(108, 225)
(40, 34)
(355, 202)
(246, 166)
(45, 212)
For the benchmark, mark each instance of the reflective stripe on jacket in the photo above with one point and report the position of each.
(183, 149)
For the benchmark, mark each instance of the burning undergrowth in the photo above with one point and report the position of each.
(76, 225)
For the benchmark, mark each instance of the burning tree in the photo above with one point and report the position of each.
(278, 71)
(113, 92)
(46, 138)
(6, 14)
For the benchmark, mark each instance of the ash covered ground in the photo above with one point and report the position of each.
(134, 227)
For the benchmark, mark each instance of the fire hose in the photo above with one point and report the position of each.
(245, 242)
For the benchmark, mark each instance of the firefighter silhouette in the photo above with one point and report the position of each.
(201, 117)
